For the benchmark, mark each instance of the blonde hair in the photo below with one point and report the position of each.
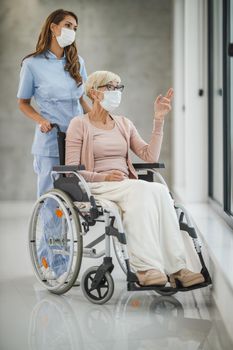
(99, 78)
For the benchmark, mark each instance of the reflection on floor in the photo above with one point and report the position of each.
(32, 318)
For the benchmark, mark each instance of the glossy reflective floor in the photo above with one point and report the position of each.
(32, 318)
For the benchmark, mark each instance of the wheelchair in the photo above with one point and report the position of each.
(64, 215)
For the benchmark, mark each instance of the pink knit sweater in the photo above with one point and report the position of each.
(112, 157)
(79, 145)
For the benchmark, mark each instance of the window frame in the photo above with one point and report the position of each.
(224, 211)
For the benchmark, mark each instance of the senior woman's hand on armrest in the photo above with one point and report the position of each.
(115, 175)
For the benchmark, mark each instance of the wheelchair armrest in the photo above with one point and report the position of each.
(138, 166)
(69, 167)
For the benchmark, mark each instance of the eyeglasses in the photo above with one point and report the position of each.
(111, 87)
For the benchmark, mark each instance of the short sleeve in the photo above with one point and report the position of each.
(26, 83)
(82, 70)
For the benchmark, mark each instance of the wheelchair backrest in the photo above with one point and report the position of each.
(69, 184)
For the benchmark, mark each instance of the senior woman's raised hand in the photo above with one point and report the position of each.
(162, 105)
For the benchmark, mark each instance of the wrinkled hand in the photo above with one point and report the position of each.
(115, 175)
(162, 105)
(45, 126)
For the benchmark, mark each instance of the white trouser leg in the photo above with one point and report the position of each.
(150, 234)
(171, 240)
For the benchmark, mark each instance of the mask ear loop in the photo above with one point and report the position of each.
(95, 87)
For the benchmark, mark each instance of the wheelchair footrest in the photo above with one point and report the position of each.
(132, 286)
(138, 287)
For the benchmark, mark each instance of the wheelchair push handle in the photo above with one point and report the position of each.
(54, 125)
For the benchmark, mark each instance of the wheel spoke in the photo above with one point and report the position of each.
(99, 292)
(105, 294)
(101, 287)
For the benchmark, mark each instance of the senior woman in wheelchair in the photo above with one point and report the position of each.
(101, 141)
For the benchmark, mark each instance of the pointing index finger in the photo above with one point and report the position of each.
(169, 93)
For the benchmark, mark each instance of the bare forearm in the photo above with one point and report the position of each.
(30, 112)
(149, 152)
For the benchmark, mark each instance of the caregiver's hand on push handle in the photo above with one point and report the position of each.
(45, 125)
(115, 175)
(162, 105)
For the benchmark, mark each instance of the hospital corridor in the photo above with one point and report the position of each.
(116, 193)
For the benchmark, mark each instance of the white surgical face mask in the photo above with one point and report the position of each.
(66, 38)
(111, 100)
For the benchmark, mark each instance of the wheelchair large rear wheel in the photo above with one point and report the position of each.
(55, 241)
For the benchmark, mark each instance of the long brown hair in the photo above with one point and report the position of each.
(44, 41)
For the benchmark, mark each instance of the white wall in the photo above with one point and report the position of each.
(190, 134)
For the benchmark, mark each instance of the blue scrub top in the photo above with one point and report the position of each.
(56, 94)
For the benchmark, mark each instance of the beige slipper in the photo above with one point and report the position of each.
(151, 277)
(186, 277)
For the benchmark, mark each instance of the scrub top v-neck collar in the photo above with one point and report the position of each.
(52, 56)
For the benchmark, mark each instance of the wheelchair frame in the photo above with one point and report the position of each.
(76, 189)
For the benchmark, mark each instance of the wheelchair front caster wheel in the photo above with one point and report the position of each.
(103, 292)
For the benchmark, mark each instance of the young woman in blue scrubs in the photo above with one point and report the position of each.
(54, 75)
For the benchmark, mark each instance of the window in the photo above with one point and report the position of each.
(231, 105)
(220, 76)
